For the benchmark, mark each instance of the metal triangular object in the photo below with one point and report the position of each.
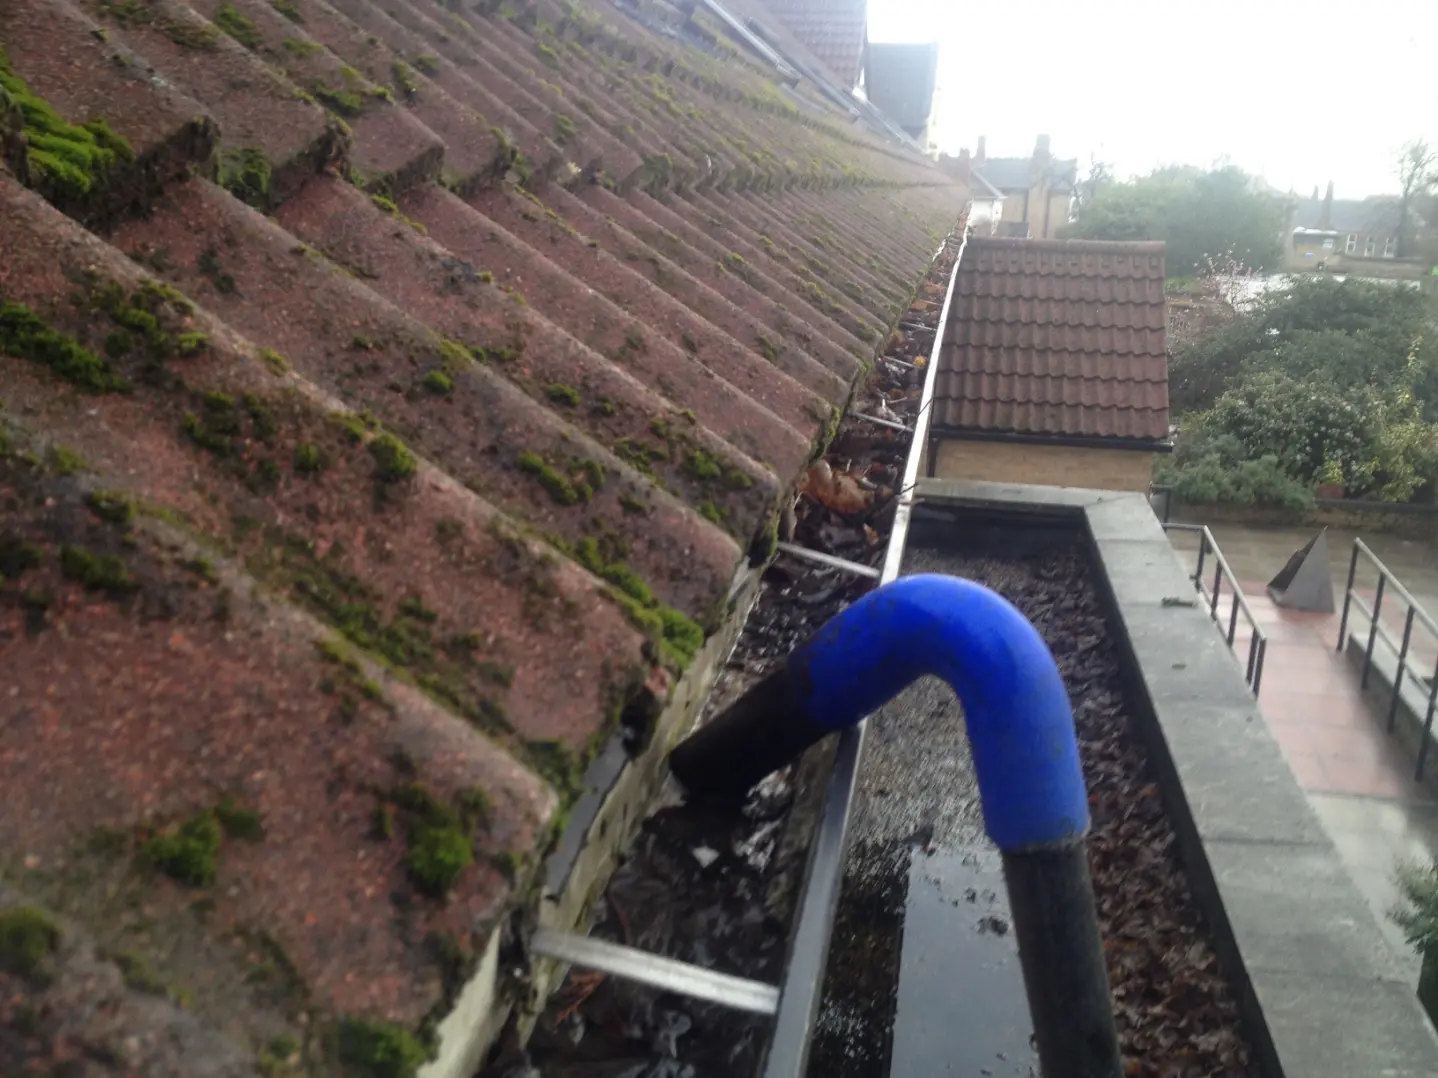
(1305, 583)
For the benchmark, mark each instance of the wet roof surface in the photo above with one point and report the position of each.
(1057, 337)
(390, 396)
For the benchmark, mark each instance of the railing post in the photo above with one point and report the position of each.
(1399, 675)
(1348, 595)
(1373, 629)
(1217, 586)
(1427, 725)
(1252, 656)
(1233, 618)
(1202, 548)
(1258, 674)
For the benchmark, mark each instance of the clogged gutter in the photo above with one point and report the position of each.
(719, 890)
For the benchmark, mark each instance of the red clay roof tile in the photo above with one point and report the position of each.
(1056, 337)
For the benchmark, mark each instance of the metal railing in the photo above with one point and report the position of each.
(1388, 583)
(1212, 595)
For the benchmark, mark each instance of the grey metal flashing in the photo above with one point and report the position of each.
(1323, 995)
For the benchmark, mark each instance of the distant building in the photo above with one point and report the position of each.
(1037, 191)
(1349, 235)
(835, 31)
(899, 80)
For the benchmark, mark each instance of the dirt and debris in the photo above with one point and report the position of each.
(716, 889)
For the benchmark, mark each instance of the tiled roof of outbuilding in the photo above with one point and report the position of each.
(389, 395)
(1061, 338)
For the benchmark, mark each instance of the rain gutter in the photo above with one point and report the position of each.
(803, 981)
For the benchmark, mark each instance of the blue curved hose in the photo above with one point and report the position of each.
(1016, 709)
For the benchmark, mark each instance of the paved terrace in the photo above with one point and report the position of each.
(1357, 776)
(393, 395)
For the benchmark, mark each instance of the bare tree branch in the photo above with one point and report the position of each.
(1417, 177)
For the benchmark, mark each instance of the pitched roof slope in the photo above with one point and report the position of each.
(389, 395)
(1062, 338)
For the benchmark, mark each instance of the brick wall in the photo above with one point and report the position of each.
(1042, 465)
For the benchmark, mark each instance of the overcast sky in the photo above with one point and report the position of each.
(1299, 91)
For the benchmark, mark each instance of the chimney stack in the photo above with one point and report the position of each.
(1041, 148)
(979, 155)
(1325, 218)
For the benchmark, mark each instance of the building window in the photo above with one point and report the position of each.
(1370, 248)
(1352, 244)
(1328, 244)
(1390, 249)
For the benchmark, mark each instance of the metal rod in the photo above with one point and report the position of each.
(1258, 674)
(1233, 617)
(805, 554)
(799, 996)
(668, 974)
(1373, 629)
(881, 422)
(1252, 655)
(1348, 595)
(1202, 548)
(1427, 727)
(1399, 676)
(900, 363)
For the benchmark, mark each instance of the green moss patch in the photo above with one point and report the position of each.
(393, 460)
(239, 821)
(97, 572)
(439, 383)
(67, 162)
(676, 637)
(187, 853)
(245, 173)
(380, 1050)
(439, 837)
(23, 333)
(563, 394)
(238, 26)
(27, 938)
(302, 47)
(577, 483)
(111, 506)
(409, 642)
(404, 80)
